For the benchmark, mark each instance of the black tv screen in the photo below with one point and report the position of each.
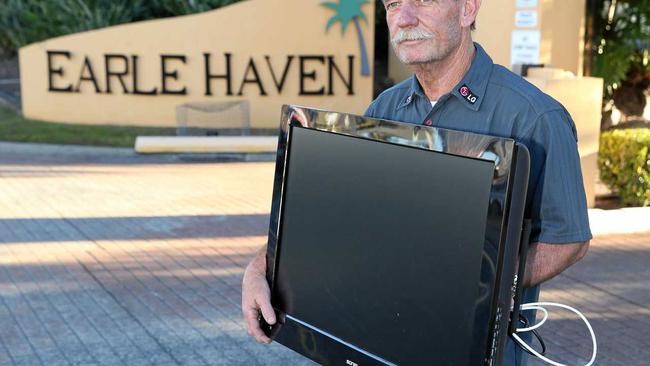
(393, 243)
(373, 253)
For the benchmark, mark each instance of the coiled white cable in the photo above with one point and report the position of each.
(539, 306)
(541, 322)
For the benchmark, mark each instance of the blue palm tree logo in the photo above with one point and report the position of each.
(350, 11)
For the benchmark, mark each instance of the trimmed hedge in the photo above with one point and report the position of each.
(624, 162)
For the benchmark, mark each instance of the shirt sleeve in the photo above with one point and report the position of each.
(558, 207)
(370, 112)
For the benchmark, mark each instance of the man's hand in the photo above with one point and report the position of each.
(256, 297)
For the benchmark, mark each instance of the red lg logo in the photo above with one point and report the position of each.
(466, 93)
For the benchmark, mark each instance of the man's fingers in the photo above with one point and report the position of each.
(267, 311)
(256, 299)
(250, 315)
(253, 326)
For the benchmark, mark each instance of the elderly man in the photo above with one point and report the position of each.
(456, 85)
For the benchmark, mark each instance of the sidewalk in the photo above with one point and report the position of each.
(113, 259)
(611, 286)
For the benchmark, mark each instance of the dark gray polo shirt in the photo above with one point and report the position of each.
(494, 101)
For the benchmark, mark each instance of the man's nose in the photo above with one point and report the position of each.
(407, 15)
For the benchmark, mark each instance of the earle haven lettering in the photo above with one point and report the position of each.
(223, 75)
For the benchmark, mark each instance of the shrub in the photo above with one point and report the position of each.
(166, 8)
(26, 21)
(624, 162)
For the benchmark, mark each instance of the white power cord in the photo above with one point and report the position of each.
(540, 306)
(531, 307)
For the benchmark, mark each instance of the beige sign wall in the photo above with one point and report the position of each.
(560, 22)
(255, 55)
(565, 31)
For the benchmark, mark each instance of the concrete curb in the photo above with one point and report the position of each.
(211, 145)
(77, 154)
(61, 150)
(619, 221)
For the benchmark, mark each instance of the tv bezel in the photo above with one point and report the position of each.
(503, 217)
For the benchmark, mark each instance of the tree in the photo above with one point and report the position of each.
(620, 50)
(347, 11)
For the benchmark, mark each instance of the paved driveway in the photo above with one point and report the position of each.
(111, 259)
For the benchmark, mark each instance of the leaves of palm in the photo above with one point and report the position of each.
(346, 11)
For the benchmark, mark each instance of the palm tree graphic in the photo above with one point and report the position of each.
(346, 11)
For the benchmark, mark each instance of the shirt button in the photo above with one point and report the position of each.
(408, 100)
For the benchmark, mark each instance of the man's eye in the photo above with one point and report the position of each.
(392, 5)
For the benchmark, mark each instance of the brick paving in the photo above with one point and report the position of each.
(611, 286)
(114, 259)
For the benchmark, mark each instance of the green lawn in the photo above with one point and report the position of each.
(14, 127)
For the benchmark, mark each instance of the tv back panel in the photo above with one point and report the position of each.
(392, 243)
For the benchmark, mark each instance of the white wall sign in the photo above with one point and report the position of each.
(526, 4)
(525, 47)
(526, 19)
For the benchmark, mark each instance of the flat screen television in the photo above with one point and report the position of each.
(393, 243)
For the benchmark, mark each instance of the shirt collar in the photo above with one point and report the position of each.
(414, 91)
(470, 90)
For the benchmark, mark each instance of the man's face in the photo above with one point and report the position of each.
(423, 31)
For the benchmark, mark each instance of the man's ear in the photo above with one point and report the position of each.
(469, 11)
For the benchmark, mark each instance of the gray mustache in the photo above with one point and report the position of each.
(414, 34)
